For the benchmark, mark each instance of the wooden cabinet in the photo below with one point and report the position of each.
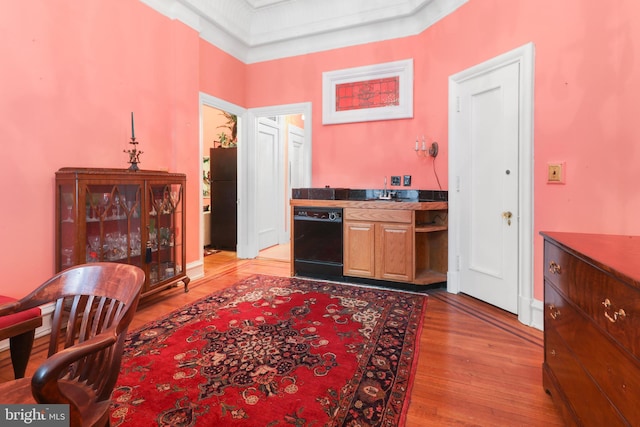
(378, 244)
(390, 241)
(133, 217)
(592, 327)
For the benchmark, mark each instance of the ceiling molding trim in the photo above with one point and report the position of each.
(176, 11)
(257, 4)
(217, 28)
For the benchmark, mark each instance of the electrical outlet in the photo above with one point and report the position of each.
(395, 180)
(407, 180)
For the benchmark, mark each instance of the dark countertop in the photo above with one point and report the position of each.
(369, 195)
(372, 204)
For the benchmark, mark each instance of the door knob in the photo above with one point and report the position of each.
(507, 215)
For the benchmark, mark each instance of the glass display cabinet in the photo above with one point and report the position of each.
(117, 215)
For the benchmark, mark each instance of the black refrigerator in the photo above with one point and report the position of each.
(224, 216)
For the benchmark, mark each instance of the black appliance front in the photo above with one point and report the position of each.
(317, 242)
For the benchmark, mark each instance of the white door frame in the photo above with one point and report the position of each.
(524, 56)
(270, 169)
(282, 110)
(292, 132)
(247, 137)
(245, 223)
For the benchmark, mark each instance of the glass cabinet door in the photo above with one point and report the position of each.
(164, 247)
(67, 216)
(112, 216)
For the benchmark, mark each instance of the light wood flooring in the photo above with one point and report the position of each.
(477, 365)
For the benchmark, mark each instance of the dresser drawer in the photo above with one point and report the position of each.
(585, 401)
(380, 215)
(610, 303)
(611, 367)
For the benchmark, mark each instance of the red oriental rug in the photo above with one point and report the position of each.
(273, 351)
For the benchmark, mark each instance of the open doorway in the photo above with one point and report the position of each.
(209, 134)
(219, 180)
(248, 159)
(283, 147)
(280, 144)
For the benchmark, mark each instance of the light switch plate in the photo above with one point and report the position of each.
(555, 173)
(407, 181)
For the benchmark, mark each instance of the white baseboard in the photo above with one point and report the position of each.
(195, 270)
(537, 314)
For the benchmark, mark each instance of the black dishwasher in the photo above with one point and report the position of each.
(317, 242)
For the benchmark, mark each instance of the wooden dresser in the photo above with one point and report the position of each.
(592, 327)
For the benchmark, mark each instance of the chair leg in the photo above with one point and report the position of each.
(20, 347)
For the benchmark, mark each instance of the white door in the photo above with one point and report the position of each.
(269, 182)
(296, 156)
(487, 119)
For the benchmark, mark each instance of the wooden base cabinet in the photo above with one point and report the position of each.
(592, 327)
(378, 244)
(115, 215)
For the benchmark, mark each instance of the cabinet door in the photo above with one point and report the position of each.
(394, 252)
(359, 249)
(112, 224)
(164, 247)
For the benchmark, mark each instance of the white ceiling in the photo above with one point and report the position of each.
(261, 30)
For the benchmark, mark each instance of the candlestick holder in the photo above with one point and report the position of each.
(134, 155)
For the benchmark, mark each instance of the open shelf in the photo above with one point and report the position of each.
(429, 228)
(430, 238)
(428, 277)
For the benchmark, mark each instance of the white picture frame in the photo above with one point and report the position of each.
(332, 79)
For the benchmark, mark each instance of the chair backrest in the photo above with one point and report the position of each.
(94, 305)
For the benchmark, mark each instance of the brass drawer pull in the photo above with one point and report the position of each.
(617, 315)
(554, 268)
(553, 312)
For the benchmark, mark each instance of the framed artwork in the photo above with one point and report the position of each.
(373, 92)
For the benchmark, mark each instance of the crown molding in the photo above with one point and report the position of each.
(261, 30)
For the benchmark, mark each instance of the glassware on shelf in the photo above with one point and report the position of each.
(93, 254)
(153, 275)
(103, 205)
(117, 202)
(153, 239)
(135, 242)
(68, 202)
(68, 253)
(164, 236)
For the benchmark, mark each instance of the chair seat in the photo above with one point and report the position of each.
(19, 392)
(13, 319)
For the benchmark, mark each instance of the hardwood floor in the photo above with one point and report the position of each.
(478, 366)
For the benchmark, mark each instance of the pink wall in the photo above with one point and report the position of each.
(73, 71)
(586, 88)
(72, 74)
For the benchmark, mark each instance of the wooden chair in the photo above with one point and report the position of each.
(94, 305)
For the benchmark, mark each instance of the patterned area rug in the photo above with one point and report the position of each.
(272, 351)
